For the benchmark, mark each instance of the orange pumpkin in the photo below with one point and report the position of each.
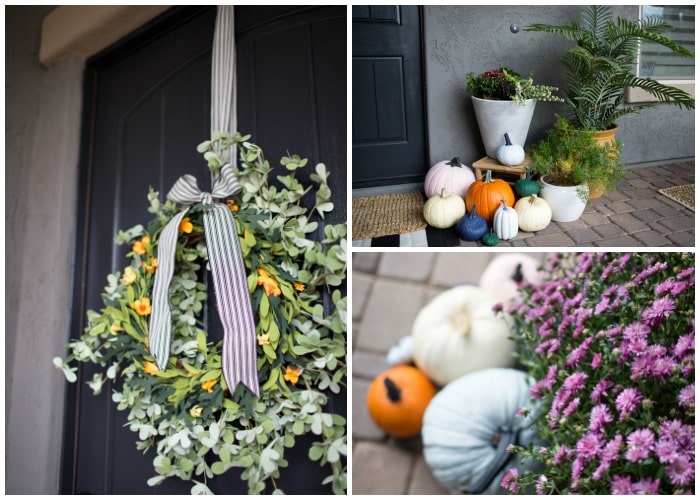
(397, 399)
(487, 196)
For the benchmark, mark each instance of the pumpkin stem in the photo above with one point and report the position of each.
(518, 274)
(488, 177)
(392, 392)
(444, 193)
(472, 212)
(455, 162)
(527, 174)
(508, 143)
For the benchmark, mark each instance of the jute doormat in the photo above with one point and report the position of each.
(375, 216)
(685, 195)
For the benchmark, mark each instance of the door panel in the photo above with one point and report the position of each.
(387, 89)
(147, 108)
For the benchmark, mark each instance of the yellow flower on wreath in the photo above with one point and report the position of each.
(150, 368)
(142, 306)
(129, 276)
(232, 205)
(299, 287)
(292, 375)
(151, 266)
(209, 385)
(140, 247)
(185, 225)
(196, 411)
(268, 282)
(264, 339)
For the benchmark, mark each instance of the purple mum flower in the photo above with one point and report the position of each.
(589, 446)
(541, 484)
(660, 309)
(600, 390)
(627, 401)
(646, 486)
(600, 416)
(571, 407)
(666, 451)
(681, 471)
(640, 444)
(686, 397)
(597, 358)
(621, 485)
(510, 480)
(578, 354)
(685, 343)
(665, 287)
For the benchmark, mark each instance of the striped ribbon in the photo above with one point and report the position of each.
(238, 361)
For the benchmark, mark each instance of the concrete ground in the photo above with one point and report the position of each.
(388, 290)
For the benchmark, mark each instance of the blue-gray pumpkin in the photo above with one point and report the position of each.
(472, 226)
(468, 426)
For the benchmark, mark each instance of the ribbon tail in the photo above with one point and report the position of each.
(239, 360)
(159, 332)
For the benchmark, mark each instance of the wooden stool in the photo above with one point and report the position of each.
(494, 166)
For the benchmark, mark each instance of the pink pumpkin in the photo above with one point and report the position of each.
(450, 175)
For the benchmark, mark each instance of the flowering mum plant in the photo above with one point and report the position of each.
(505, 84)
(608, 340)
(197, 426)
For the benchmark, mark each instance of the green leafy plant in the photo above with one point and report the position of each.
(196, 425)
(506, 85)
(602, 65)
(608, 340)
(571, 157)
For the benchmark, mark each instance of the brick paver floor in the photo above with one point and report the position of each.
(388, 290)
(636, 214)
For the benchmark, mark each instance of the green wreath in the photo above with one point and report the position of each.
(186, 411)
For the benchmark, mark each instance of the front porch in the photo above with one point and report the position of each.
(635, 215)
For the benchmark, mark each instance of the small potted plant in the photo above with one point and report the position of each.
(573, 166)
(602, 65)
(504, 102)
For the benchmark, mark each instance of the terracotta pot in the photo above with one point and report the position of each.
(602, 137)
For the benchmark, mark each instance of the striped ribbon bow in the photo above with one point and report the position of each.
(238, 362)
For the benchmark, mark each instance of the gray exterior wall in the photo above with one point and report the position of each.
(460, 39)
(42, 120)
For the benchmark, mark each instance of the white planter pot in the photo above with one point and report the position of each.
(566, 202)
(495, 118)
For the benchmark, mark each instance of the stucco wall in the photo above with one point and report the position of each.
(42, 118)
(459, 39)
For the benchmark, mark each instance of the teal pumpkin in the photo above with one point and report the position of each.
(490, 239)
(526, 187)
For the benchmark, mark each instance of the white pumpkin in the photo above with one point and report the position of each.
(534, 213)
(505, 222)
(458, 332)
(451, 175)
(444, 210)
(510, 154)
(468, 425)
(401, 353)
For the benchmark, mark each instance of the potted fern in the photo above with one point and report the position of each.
(602, 65)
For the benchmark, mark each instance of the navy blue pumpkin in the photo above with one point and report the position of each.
(472, 226)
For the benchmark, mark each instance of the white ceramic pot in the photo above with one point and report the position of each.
(495, 118)
(567, 202)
